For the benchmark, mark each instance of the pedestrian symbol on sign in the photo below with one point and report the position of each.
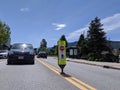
(62, 52)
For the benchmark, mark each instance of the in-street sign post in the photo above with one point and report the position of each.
(61, 55)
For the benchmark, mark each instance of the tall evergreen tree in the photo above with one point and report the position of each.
(96, 37)
(43, 45)
(81, 40)
(64, 38)
(82, 46)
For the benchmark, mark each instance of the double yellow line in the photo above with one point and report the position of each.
(76, 82)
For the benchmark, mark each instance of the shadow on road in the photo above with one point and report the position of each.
(65, 75)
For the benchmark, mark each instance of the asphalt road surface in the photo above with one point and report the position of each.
(31, 77)
(98, 77)
(45, 75)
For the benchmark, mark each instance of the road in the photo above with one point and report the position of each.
(98, 77)
(44, 75)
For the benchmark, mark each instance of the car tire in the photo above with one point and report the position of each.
(33, 62)
(38, 56)
(8, 62)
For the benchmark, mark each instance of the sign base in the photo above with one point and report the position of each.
(62, 67)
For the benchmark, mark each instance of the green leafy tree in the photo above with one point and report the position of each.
(64, 38)
(53, 51)
(96, 38)
(4, 33)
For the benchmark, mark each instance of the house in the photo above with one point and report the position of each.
(72, 49)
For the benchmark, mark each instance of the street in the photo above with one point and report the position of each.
(45, 75)
(98, 77)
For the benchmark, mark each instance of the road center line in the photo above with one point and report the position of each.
(76, 82)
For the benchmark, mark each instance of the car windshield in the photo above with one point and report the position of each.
(22, 46)
(42, 52)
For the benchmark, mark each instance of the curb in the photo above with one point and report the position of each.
(104, 66)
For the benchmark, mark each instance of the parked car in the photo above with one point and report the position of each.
(42, 55)
(21, 53)
(3, 54)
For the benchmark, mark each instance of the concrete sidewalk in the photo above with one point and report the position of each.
(101, 64)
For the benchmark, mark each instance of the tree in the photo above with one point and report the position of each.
(53, 50)
(96, 38)
(4, 33)
(63, 38)
(43, 45)
(81, 40)
(82, 45)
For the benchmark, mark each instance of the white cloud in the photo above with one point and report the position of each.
(75, 35)
(111, 23)
(24, 9)
(59, 26)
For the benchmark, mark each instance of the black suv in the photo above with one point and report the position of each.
(21, 52)
(42, 55)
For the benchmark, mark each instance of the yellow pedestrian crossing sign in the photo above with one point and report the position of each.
(61, 52)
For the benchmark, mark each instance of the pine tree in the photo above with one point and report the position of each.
(81, 40)
(43, 45)
(82, 47)
(96, 37)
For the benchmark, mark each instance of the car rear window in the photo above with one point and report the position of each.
(22, 46)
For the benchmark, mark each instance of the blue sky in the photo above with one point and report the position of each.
(33, 20)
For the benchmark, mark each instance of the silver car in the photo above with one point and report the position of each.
(3, 54)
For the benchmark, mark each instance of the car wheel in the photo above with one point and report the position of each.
(33, 62)
(8, 62)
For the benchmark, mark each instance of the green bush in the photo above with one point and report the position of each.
(109, 57)
(91, 57)
(94, 57)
